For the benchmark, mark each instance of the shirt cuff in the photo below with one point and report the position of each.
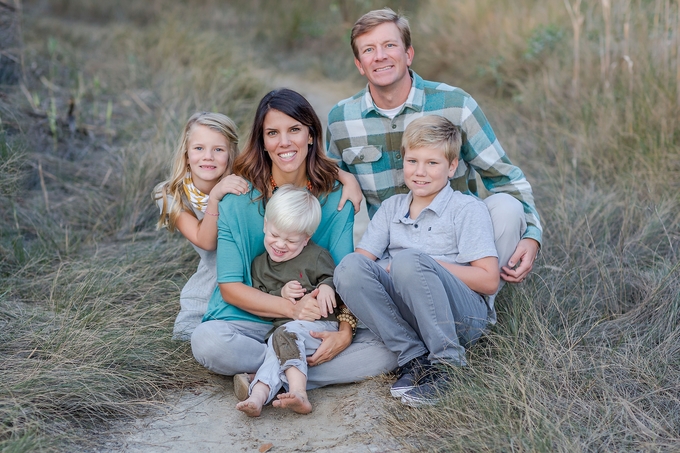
(534, 233)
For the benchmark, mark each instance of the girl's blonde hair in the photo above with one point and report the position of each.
(174, 187)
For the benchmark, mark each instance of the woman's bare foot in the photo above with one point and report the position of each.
(295, 401)
(252, 407)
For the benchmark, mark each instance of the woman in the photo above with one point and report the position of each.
(284, 148)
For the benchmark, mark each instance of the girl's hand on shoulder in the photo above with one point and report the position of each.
(326, 300)
(229, 184)
(292, 291)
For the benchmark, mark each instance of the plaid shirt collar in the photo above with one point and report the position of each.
(414, 101)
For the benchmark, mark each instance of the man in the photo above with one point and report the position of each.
(365, 131)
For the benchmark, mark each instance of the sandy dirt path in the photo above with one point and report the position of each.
(345, 419)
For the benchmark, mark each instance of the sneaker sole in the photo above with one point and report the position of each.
(241, 386)
(399, 392)
(416, 402)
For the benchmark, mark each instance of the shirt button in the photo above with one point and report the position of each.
(394, 126)
(398, 156)
(361, 157)
(416, 225)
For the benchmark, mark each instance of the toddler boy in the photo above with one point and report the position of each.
(291, 266)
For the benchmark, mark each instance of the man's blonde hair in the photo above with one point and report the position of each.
(433, 131)
(372, 19)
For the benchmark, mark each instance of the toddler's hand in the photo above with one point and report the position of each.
(326, 300)
(293, 290)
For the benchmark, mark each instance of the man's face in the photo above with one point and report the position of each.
(383, 58)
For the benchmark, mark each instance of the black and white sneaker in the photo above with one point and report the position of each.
(409, 375)
(425, 394)
(429, 390)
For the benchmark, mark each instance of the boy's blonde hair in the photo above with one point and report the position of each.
(293, 210)
(372, 19)
(174, 186)
(433, 131)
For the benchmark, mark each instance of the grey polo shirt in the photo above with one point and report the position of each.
(454, 228)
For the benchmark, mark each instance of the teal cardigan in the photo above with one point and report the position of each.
(240, 238)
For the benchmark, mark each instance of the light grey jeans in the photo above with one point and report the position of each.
(272, 372)
(509, 224)
(232, 347)
(416, 308)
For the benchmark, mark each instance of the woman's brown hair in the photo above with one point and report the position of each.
(254, 163)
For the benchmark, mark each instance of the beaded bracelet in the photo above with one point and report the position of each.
(349, 318)
(210, 213)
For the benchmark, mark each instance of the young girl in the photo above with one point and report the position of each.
(201, 176)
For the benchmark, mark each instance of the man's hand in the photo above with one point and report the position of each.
(521, 262)
(351, 190)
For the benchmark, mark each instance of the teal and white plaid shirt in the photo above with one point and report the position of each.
(368, 144)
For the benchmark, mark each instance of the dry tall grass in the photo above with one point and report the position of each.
(89, 290)
(586, 354)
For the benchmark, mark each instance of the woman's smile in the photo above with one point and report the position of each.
(287, 142)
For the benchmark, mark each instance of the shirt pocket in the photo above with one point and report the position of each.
(361, 154)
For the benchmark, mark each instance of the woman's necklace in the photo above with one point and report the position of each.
(275, 187)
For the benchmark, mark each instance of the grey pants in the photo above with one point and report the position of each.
(411, 329)
(417, 308)
(232, 347)
(272, 372)
(509, 224)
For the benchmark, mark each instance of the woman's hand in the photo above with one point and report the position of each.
(307, 308)
(332, 344)
(292, 291)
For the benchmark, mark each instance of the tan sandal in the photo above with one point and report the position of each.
(242, 386)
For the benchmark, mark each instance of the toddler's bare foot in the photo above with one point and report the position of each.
(295, 401)
(251, 407)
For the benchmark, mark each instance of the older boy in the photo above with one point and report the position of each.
(364, 134)
(426, 296)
